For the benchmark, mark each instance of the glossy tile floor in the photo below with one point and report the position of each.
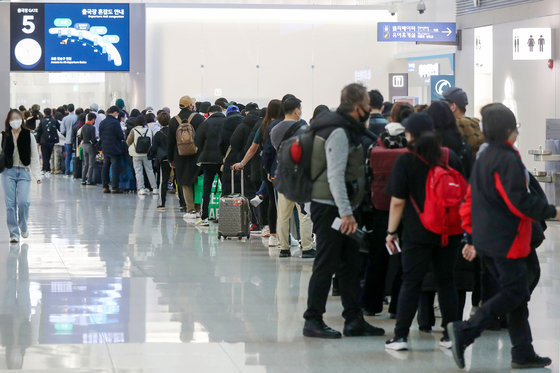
(106, 283)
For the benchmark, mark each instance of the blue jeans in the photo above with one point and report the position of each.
(68, 159)
(16, 182)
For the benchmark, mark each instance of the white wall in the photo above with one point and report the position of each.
(311, 53)
(536, 88)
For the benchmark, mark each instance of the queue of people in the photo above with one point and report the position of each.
(422, 192)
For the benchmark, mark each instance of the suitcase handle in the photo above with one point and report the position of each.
(233, 182)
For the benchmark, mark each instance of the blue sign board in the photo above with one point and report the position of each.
(417, 31)
(438, 84)
(69, 37)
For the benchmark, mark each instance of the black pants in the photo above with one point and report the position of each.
(416, 260)
(46, 152)
(336, 253)
(210, 171)
(511, 299)
(111, 160)
(373, 292)
(165, 172)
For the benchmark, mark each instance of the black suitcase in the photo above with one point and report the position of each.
(235, 213)
(77, 167)
(97, 168)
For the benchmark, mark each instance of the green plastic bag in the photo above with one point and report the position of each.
(214, 207)
(198, 190)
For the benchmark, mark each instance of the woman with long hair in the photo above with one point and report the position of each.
(21, 164)
(420, 247)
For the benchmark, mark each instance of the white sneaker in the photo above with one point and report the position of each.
(47, 175)
(25, 234)
(273, 241)
(395, 344)
(141, 192)
(293, 241)
(445, 343)
(155, 191)
(256, 201)
(190, 216)
(203, 223)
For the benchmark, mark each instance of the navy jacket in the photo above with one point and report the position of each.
(112, 136)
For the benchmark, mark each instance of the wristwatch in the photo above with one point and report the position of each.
(392, 233)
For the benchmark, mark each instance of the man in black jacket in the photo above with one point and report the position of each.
(47, 137)
(186, 169)
(498, 213)
(113, 145)
(210, 157)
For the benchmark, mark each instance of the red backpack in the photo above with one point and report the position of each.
(381, 161)
(446, 188)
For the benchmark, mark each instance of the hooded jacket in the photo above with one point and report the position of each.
(499, 210)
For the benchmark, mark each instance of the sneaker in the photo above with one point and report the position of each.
(256, 201)
(445, 342)
(48, 174)
(309, 254)
(532, 363)
(293, 242)
(155, 192)
(117, 191)
(273, 241)
(141, 192)
(14, 240)
(255, 229)
(84, 182)
(106, 190)
(202, 223)
(397, 344)
(265, 231)
(458, 344)
(285, 254)
(25, 234)
(361, 328)
(190, 215)
(318, 329)
(160, 208)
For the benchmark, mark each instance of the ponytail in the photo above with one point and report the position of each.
(428, 147)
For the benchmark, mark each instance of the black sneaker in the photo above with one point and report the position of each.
(318, 329)
(425, 329)
(360, 328)
(458, 344)
(285, 254)
(397, 344)
(309, 254)
(532, 363)
(84, 182)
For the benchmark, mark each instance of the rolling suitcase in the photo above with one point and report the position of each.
(234, 220)
(76, 167)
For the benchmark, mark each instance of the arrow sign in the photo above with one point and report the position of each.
(417, 31)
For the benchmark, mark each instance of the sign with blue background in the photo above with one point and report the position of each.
(438, 84)
(417, 31)
(72, 37)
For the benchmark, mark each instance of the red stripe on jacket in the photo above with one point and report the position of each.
(522, 243)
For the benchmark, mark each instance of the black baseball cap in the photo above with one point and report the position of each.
(457, 96)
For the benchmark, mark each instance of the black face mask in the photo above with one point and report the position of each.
(365, 116)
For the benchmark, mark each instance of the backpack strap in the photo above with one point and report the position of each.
(191, 117)
(178, 119)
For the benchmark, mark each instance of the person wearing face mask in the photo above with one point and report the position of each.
(339, 188)
(291, 126)
(21, 165)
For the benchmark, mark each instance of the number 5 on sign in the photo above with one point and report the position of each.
(28, 25)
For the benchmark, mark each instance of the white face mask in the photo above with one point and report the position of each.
(15, 124)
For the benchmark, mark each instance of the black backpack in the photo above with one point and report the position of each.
(144, 143)
(51, 131)
(293, 174)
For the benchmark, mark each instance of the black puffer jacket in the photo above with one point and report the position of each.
(231, 123)
(208, 139)
(238, 140)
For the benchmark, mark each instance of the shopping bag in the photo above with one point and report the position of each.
(214, 207)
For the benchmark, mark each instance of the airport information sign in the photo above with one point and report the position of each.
(69, 37)
(417, 31)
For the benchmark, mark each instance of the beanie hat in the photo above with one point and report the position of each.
(94, 107)
(232, 109)
(119, 103)
(418, 123)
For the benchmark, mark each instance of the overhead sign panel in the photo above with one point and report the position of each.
(532, 43)
(439, 83)
(69, 37)
(443, 32)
